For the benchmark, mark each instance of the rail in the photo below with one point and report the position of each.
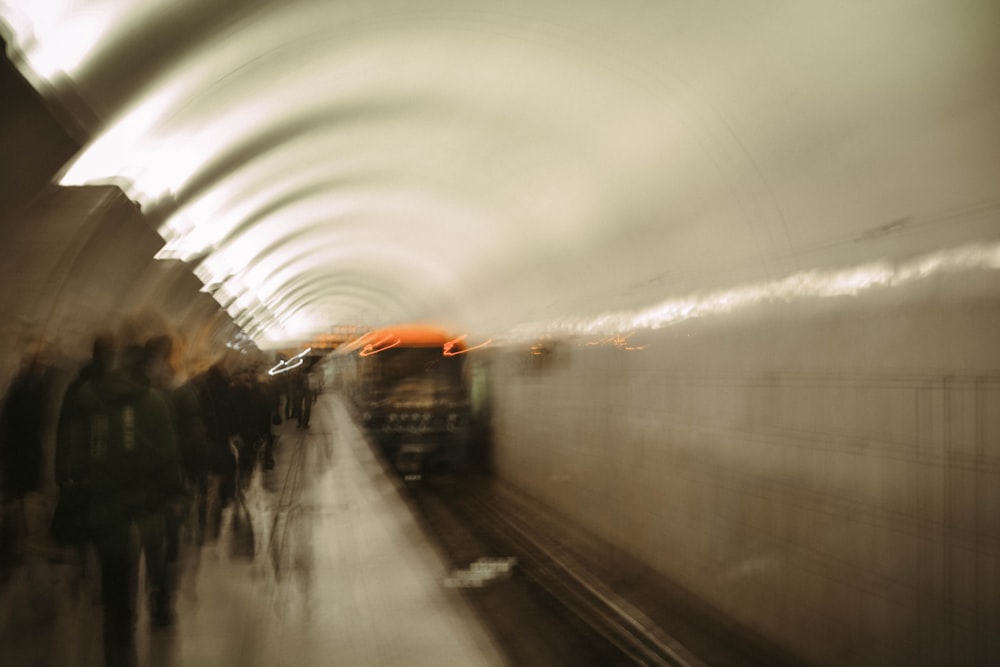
(577, 590)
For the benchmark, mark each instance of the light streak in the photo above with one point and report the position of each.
(618, 340)
(286, 365)
(380, 346)
(813, 284)
(449, 347)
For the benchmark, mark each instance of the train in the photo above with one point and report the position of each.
(413, 390)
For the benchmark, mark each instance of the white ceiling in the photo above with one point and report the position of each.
(535, 164)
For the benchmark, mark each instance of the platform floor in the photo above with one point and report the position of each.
(326, 565)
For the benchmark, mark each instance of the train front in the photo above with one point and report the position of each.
(413, 397)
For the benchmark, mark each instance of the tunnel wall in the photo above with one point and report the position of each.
(823, 475)
(79, 261)
(76, 261)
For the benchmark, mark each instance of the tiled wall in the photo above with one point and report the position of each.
(829, 479)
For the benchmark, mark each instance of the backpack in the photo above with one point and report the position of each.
(126, 446)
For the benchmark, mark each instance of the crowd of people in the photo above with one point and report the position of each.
(142, 448)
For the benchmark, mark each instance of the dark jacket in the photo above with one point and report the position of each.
(192, 437)
(123, 445)
(219, 416)
(21, 425)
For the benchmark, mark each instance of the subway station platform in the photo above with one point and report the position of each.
(322, 563)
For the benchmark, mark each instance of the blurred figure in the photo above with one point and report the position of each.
(22, 423)
(306, 395)
(271, 401)
(70, 526)
(249, 426)
(157, 372)
(251, 429)
(292, 395)
(122, 447)
(215, 399)
(193, 447)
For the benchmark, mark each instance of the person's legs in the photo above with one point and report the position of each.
(198, 515)
(110, 535)
(153, 537)
(306, 411)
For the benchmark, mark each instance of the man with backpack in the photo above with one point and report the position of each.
(123, 448)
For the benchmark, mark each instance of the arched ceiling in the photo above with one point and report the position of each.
(497, 167)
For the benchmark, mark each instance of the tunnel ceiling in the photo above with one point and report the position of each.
(515, 166)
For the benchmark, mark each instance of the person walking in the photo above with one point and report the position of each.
(23, 420)
(123, 448)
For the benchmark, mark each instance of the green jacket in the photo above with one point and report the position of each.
(123, 445)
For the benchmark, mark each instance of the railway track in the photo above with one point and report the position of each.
(601, 628)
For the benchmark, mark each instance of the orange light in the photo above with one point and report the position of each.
(380, 345)
(619, 341)
(450, 351)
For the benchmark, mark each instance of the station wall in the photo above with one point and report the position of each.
(80, 261)
(77, 261)
(823, 475)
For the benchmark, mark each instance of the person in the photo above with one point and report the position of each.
(193, 448)
(270, 401)
(213, 389)
(252, 421)
(156, 371)
(102, 357)
(122, 446)
(22, 424)
(290, 383)
(306, 396)
(70, 525)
